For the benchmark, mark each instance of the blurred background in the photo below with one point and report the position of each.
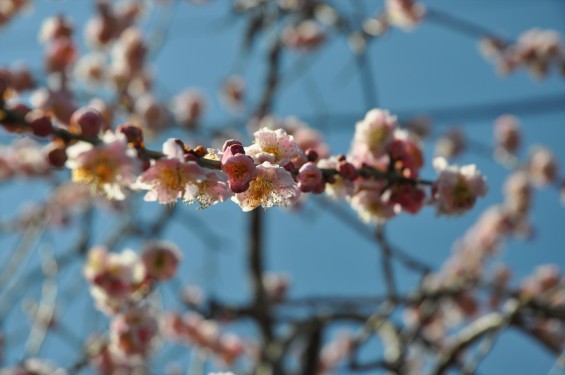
(435, 71)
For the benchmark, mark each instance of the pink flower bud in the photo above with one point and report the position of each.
(310, 178)
(231, 142)
(507, 133)
(88, 120)
(161, 259)
(346, 170)
(56, 155)
(40, 124)
(240, 169)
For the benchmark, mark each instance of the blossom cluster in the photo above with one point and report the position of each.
(536, 50)
(379, 176)
(192, 329)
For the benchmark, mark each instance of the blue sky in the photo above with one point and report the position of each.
(432, 67)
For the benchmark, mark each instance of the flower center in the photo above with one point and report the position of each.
(259, 188)
(273, 150)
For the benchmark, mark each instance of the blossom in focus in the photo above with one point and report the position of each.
(240, 169)
(405, 14)
(212, 188)
(456, 188)
(272, 186)
(160, 259)
(109, 168)
(276, 143)
(171, 178)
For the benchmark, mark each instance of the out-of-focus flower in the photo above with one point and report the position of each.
(133, 333)
(507, 134)
(306, 35)
(232, 93)
(188, 107)
(109, 168)
(451, 144)
(456, 188)
(160, 259)
(372, 136)
(542, 166)
(405, 14)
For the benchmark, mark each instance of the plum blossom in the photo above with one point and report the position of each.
(114, 277)
(240, 169)
(451, 144)
(310, 178)
(212, 188)
(192, 328)
(456, 188)
(280, 146)
(160, 259)
(507, 134)
(340, 188)
(188, 107)
(305, 36)
(372, 205)
(405, 14)
(372, 136)
(542, 166)
(272, 186)
(109, 168)
(133, 333)
(171, 178)
(33, 366)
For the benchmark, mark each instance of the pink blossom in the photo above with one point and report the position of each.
(109, 168)
(310, 178)
(281, 146)
(114, 277)
(405, 14)
(188, 107)
(240, 169)
(160, 259)
(456, 188)
(340, 188)
(372, 136)
(232, 93)
(542, 166)
(212, 188)
(451, 144)
(169, 179)
(306, 35)
(272, 186)
(372, 205)
(507, 133)
(407, 197)
(133, 333)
